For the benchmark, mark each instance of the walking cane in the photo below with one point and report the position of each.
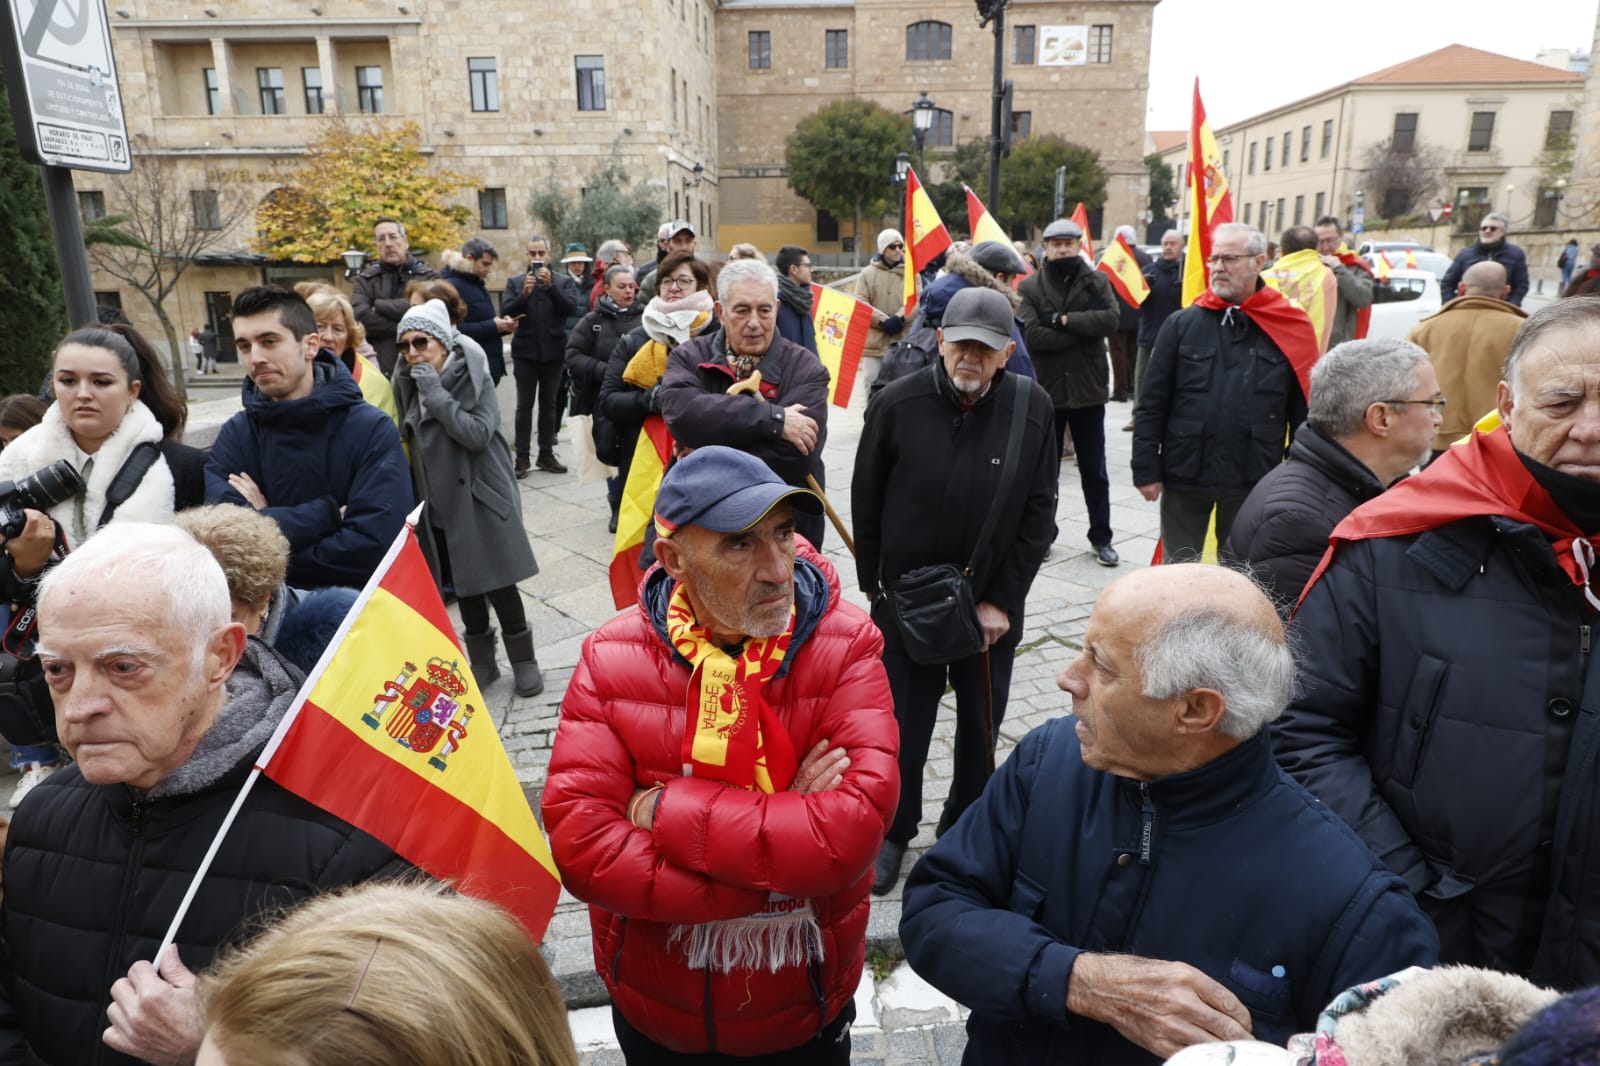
(989, 739)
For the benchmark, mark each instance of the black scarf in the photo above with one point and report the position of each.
(797, 296)
(1578, 498)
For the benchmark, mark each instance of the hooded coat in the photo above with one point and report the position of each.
(1467, 341)
(331, 469)
(452, 419)
(1072, 362)
(716, 851)
(94, 873)
(479, 323)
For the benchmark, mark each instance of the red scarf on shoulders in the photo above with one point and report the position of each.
(1363, 314)
(1480, 476)
(1288, 327)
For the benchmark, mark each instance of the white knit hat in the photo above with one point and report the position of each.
(430, 318)
(888, 237)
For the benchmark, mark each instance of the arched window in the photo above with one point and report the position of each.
(942, 134)
(928, 40)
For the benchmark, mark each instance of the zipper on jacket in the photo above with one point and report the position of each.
(1147, 830)
(1583, 639)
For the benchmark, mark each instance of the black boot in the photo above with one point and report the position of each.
(548, 462)
(616, 506)
(886, 874)
(521, 469)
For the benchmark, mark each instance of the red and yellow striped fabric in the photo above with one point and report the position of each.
(841, 322)
(650, 458)
(926, 236)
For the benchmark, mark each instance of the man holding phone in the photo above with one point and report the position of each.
(540, 303)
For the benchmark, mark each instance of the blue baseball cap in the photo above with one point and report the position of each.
(724, 490)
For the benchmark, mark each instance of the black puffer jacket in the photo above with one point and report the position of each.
(1072, 363)
(1282, 530)
(1165, 278)
(1216, 406)
(94, 873)
(589, 349)
(1439, 682)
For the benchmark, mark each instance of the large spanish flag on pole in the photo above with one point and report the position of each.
(1210, 204)
(650, 458)
(925, 236)
(1121, 266)
(1080, 215)
(980, 223)
(841, 323)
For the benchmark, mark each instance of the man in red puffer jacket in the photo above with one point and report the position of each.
(726, 855)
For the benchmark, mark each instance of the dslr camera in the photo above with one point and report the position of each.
(40, 491)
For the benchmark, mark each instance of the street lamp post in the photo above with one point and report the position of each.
(921, 122)
(354, 259)
(902, 167)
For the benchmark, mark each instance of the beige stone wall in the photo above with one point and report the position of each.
(1580, 209)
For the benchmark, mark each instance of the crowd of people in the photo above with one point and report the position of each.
(1330, 799)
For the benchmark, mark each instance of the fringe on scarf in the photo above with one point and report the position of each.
(751, 943)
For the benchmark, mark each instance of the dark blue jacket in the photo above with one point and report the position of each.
(310, 457)
(1231, 868)
(1452, 714)
(1165, 278)
(1508, 255)
(797, 327)
(479, 323)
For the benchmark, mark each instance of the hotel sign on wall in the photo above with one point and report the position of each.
(1061, 46)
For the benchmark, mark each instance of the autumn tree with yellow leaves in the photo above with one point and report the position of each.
(348, 177)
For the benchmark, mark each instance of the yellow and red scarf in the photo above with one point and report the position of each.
(731, 734)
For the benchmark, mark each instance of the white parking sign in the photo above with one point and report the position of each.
(63, 83)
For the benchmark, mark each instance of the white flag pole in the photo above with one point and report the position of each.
(283, 728)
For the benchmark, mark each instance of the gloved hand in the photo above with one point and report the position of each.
(426, 377)
(892, 325)
(653, 395)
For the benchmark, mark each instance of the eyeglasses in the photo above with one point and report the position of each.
(419, 343)
(892, 247)
(1436, 406)
(1490, 229)
(677, 283)
(1226, 260)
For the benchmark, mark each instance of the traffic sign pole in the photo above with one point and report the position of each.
(67, 226)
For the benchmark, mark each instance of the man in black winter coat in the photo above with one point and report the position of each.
(540, 302)
(1374, 407)
(379, 294)
(927, 474)
(468, 272)
(589, 349)
(1492, 245)
(164, 706)
(1450, 679)
(1165, 278)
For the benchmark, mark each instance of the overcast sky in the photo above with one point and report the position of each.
(1253, 56)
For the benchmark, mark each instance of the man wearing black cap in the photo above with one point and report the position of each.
(721, 779)
(1069, 310)
(928, 471)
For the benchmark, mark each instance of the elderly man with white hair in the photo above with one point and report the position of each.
(1375, 405)
(1141, 876)
(164, 705)
(748, 388)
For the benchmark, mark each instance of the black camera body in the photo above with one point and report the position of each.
(40, 490)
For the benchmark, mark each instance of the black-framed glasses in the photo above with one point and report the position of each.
(419, 343)
(1226, 260)
(892, 247)
(1436, 406)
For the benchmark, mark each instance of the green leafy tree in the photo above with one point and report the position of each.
(33, 310)
(841, 159)
(609, 206)
(1028, 181)
(969, 166)
(1163, 188)
(349, 176)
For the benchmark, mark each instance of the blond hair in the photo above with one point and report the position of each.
(250, 548)
(389, 974)
(326, 302)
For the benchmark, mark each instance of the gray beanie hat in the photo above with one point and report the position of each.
(430, 318)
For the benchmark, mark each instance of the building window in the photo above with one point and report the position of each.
(1251, 166)
(1322, 203)
(1482, 135)
(1024, 44)
(1327, 138)
(1246, 214)
(108, 298)
(1021, 124)
(269, 80)
(1099, 44)
(1288, 141)
(492, 208)
(592, 85)
(1305, 145)
(827, 227)
(1299, 210)
(1544, 209)
(213, 94)
(942, 134)
(760, 50)
(1227, 161)
(1266, 157)
(369, 90)
(1558, 134)
(1279, 214)
(91, 205)
(928, 40)
(836, 49)
(207, 213)
(1395, 202)
(485, 81)
(311, 78)
(1472, 203)
(1266, 206)
(1404, 138)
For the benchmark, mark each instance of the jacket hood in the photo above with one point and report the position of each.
(816, 592)
(332, 389)
(625, 316)
(962, 271)
(460, 273)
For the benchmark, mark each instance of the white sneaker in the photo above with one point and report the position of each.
(31, 777)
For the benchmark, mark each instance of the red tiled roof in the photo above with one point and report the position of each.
(1168, 139)
(1458, 63)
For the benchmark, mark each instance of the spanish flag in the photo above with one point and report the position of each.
(1310, 286)
(650, 458)
(1210, 204)
(1080, 215)
(841, 323)
(925, 236)
(1384, 267)
(1122, 267)
(980, 223)
(391, 734)
(1411, 259)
